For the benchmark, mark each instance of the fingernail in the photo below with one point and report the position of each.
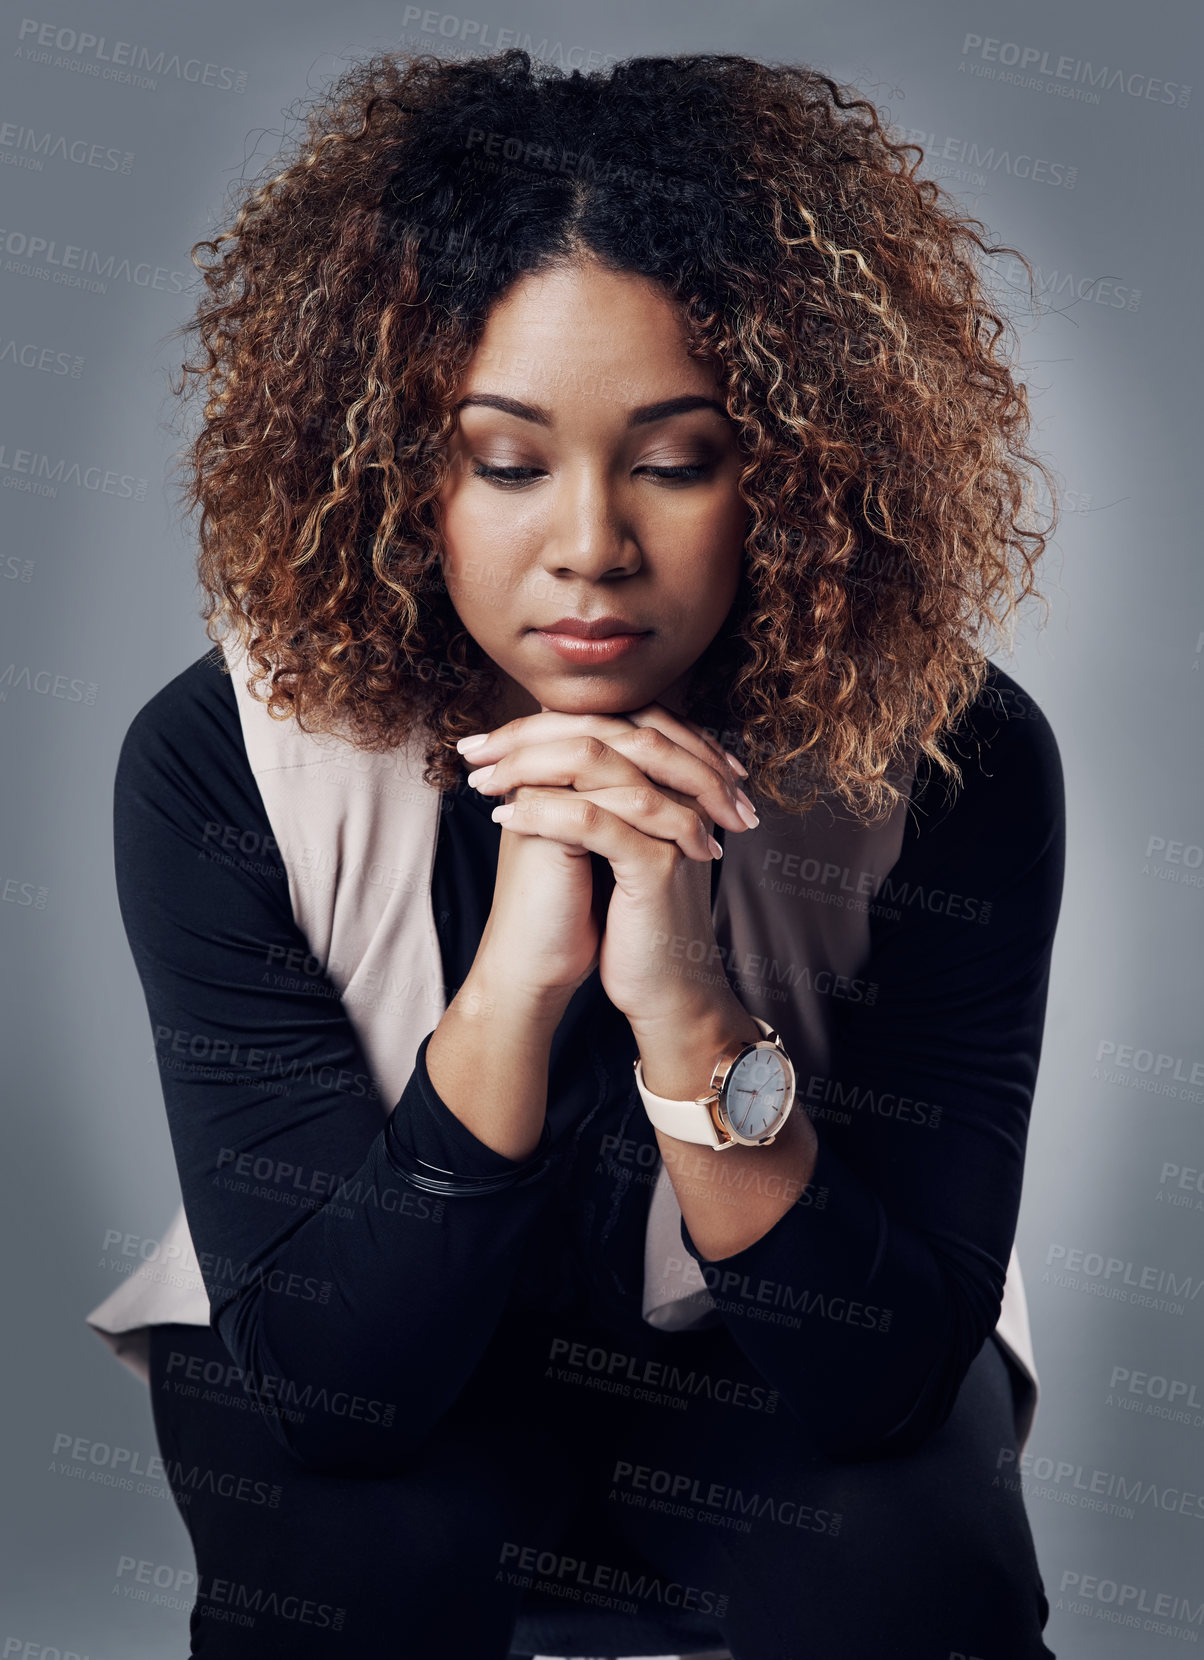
(473, 741)
(503, 812)
(738, 767)
(716, 850)
(477, 778)
(744, 807)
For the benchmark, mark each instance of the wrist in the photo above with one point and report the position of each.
(486, 996)
(715, 1009)
(679, 1050)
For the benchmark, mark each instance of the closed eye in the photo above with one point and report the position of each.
(510, 477)
(696, 470)
(504, 475)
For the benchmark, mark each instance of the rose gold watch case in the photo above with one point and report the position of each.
(716, 1101)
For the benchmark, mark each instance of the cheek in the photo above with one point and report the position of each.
(482, 567)
(718, 561)
(718, 519)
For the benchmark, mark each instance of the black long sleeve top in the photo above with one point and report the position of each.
(337, 1272)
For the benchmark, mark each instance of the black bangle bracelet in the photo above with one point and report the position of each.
(433, 1178)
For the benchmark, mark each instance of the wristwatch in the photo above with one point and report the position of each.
(750, 1097)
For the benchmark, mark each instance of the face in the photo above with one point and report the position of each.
(593, 475)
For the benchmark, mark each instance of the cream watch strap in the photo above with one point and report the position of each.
(686, 1120)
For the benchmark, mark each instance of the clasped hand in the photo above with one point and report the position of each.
(644, 790)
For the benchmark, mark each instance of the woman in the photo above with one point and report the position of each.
(563, 437)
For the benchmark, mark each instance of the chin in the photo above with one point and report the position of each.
(591, 697)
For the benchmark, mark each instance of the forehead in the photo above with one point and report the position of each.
(584, 331)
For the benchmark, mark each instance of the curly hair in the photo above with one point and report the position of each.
(880, 425)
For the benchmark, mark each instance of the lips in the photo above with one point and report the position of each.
(592, 643)
(596, 628)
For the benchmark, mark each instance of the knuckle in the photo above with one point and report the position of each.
(589, 814)
(645, 799)
(648, 738)
(590, 748)
(671, 857)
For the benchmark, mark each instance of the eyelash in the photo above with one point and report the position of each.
(512, 476)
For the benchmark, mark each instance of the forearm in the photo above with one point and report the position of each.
(862, 1327)
(488, 1060)
(391, 1290)
(818, 1295)
(731, 1197)
(384, 1301)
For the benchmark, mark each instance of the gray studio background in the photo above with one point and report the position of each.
(1074, 132)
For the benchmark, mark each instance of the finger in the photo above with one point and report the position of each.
(674, 726)
(585, 762)
(547, 725)
(608, 821)
(554, 723)
(672, 758)
(654, 814)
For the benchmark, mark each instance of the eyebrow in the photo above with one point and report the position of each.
(643, 416)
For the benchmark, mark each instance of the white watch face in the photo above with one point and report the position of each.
(756, 1092)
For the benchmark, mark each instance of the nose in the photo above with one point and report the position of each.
(587, 534)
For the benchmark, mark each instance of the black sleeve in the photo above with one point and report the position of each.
(334, 1280)
(867, 1301)
(439, 1154)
